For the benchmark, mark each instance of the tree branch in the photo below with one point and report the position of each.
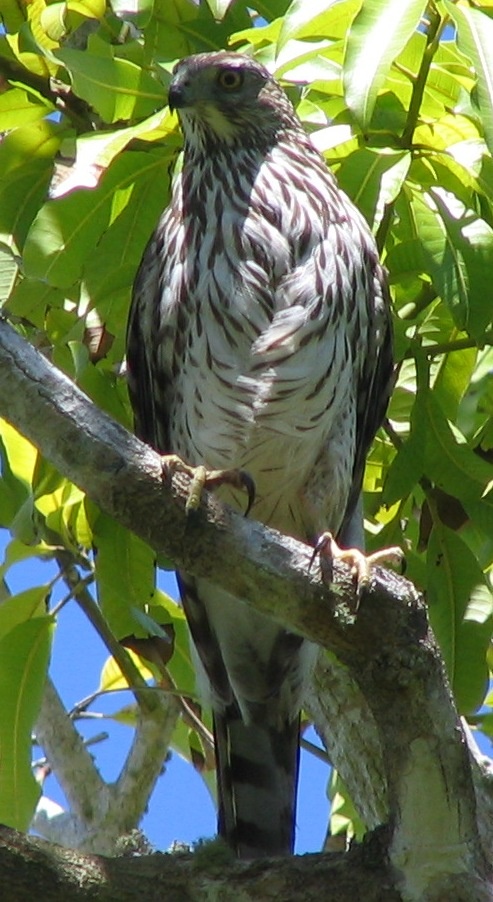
(395, 674)
(59, 874)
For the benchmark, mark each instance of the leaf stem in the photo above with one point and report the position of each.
(434, 33)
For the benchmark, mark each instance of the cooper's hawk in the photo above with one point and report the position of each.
(259, 338)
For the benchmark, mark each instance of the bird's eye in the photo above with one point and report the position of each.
(230, 79)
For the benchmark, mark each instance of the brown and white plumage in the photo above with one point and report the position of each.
(258, 338)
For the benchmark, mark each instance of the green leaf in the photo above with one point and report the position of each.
(307, 61)
(472, 241)
(116, 88)
(456, 250)
(92, 9)
(453, 379)
(112, 678)
(461, 609)
(8, 273)
(24, 655)
(30, 300)
(343, 815)
(449, 461)
(22, 607)
(373, 178)
(12, 15)
(219, 8)
(66, 230)
(21, 454)
(405, 470)
(26, 165)
(378, 34)
(21, 194)
(319, 18)
(475, 40)
(125, 575)
(17, 107)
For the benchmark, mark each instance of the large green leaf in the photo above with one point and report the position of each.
(453, 379)
(457, 248)
(461, 610)
(28, 604)
(449, 462)
(373, 178)
(18, 107)
(116, 88)
(24, 655)
(378, 34)
(475, 40)
(125, 575)
(26, 160)
(320, 18)
(66, 230)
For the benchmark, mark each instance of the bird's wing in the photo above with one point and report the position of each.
(374, 386)
(141, 386)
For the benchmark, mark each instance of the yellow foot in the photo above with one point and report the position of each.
(360, 563)
(202, 478)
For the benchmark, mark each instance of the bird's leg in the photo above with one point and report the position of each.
(360, 563)
(202, 478)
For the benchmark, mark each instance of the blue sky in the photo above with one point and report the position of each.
(181, 808)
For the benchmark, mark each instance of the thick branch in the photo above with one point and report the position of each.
(59, 874)
(387, 649)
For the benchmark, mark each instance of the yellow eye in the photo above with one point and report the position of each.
(230, 79)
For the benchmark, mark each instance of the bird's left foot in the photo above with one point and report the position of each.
(359, 563)
(202, 478)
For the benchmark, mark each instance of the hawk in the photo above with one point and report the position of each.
(259, 338)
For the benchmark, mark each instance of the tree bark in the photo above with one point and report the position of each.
(394, 732)
(60, 874)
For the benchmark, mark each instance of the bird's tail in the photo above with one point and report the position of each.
(257, 775)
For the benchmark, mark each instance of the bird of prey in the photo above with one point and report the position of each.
(259, 339)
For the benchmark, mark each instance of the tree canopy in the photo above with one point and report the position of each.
(398, 96)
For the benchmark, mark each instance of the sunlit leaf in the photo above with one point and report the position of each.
(343, 815)
(112, 677)
(461, 608)
(66, 230)
(456, 247)
(24, 654)
(8, 273)
(18, 107)
(475, 39)
(116, 88)
(320, 18)
(219, 8)
(22, 607)
(377, 35)
(373, 178)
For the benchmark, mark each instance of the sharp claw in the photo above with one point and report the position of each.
(249, 486)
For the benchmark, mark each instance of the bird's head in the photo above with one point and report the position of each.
(228, 97)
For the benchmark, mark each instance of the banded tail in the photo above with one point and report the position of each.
(257, 775)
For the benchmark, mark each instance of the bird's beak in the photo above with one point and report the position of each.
(176, 96)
